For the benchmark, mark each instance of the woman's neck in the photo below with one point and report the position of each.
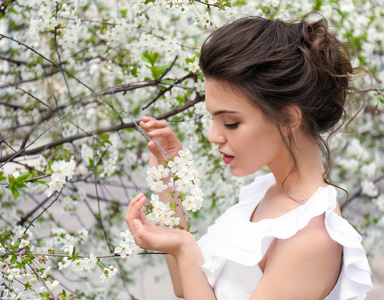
(309, 175)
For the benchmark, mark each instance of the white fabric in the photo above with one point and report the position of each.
(233, 246)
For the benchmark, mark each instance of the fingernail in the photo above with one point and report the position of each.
(152, 145)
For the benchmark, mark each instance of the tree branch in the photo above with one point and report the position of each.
(75, 137)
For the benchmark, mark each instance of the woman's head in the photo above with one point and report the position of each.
(277, 65)
(245, 137)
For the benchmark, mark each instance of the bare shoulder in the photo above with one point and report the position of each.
(313, 237)
(305, 266)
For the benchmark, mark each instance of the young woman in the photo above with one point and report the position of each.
(273, 89)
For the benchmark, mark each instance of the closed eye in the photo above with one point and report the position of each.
(231, 126)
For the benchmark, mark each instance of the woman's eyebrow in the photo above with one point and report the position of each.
(220, 112)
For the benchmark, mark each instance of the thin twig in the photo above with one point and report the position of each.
(45, 209)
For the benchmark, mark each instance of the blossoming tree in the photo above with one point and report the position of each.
(77, 75)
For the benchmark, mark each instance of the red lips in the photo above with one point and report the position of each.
(227, 158)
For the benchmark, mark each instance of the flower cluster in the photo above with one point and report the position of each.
(62, 170)
(183, 181)
(127, 245)
(162, 213)
(82, 266)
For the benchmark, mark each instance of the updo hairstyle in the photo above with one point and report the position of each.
(276, 64)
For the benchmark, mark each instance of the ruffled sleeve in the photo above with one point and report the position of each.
(233, 238)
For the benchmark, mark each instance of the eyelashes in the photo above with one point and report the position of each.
(231, 126)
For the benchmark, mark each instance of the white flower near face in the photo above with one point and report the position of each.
(185, 154)
(199, 86)
(201, 109)
(186, 173)
(193, 67)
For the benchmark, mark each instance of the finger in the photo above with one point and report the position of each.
(162, 132)
(156, 151)
(137, 207)
(131, 210)
(138, 233)
(153, 124)
(144, 219)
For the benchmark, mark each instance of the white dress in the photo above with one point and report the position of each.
(233, 246)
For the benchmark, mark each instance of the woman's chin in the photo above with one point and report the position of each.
(240, 173)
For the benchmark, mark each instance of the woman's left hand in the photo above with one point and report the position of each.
(152, 237)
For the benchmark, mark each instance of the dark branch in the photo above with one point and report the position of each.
(75, 137)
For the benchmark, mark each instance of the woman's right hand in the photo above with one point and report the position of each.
(164, 136)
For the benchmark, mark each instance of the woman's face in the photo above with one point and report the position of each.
(247, 140)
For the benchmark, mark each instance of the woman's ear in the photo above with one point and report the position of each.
(294, 115)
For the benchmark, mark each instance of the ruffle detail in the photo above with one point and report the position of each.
(234, 238)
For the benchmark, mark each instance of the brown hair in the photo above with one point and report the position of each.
(276, 64)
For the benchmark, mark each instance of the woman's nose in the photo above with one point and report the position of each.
(215, 136)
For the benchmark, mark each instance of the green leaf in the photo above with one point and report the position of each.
(21, 185)
(50, 165)
(13, 259)
(11, 179)
(150, 58)
(190, 60)
(157, 71)
(23, 177)
(134, 71)
(2, 178)
(14, 191)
